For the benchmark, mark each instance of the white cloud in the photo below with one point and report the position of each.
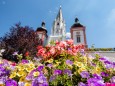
(68, 35)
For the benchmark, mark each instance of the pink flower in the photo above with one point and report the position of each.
(13, 64)
(69, 51)
(75, 50)
(63, 44)
(69, 42)
(52, 50)
(58, 47)
(39, 47)
(41, 52)
(57, 42)
(48, 54)
(109, 84)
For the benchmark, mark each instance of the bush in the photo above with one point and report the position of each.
(20, 39)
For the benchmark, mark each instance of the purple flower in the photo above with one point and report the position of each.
(21, 83)
(82, 84)
(113, 64)
(25, 61)
(69, 49)
(95, 82)
(57, 72)
(113, 79)
(5, 63)
(102, 59)
(69, 62)
(68, 72)
(104, 74)
(4, 72)
(3, 79)
(96, 76)
(52, 78)
(84, 74)
(82, 52)
(49, 65)
(30, 75)
(93, 64)
(37, 59)
(15, 53)
(11, 82)
(40, 68)
(40, 81)
(108, 64)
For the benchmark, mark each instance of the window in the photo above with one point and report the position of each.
(78, 38)
(78, 33)
(57, 23)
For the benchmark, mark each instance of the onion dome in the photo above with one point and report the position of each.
(42, 28)
(76, 24)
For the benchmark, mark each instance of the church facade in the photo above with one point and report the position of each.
(58, 31)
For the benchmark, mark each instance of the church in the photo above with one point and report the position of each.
(58, 31)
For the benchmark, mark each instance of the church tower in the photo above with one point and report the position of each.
(78, 33)
(58, 31)
(41, 33)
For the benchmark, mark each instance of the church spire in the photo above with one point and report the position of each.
(58, 29)
(59, 15)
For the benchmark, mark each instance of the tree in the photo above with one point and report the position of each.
(20, 39)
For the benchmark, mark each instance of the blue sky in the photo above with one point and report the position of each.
(97, 15)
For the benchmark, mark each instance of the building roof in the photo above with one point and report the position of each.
(42, 28)
(76, 24)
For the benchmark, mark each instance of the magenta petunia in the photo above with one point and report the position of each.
(11, 82)
(57, 72)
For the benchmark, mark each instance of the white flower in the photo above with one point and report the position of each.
(2, 50)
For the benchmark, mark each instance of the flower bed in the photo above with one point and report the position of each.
(62, 64)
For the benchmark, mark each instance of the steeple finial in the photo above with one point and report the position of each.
(43, 24)
(59, 16)
(76, 20)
